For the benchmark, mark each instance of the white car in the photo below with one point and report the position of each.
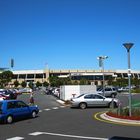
(93, 100)
(56, 92)
(25, 90)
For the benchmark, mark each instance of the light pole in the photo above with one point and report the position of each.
(101, 65)
(12, 63)
(128, 46)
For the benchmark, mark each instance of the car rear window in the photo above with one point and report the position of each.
(99, 89)
(79, 96)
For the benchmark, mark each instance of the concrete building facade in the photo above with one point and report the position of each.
(95, 76)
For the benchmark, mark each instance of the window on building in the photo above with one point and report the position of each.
(44, 75)
(136, 75)
(15, 76)
(30, 75)
(100, 77)
(139, 75)
(119, 75)
(125, 74)
(22, 76)
(39, 75)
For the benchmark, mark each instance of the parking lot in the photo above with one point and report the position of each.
(57, 121)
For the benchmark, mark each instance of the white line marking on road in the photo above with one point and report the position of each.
(40, 110)
(69, 136)
(47, 109)
(16, 138)
(62, 106)
(55, 108)
(36, 133)
(74, 136)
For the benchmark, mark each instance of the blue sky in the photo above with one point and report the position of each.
(69, 34)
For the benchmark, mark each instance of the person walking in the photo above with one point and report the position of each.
(31, 99)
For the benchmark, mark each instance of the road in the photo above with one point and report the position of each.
(59, 122)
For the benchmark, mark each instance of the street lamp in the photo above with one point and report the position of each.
(12, 63)
(101, 65)
(128, 46)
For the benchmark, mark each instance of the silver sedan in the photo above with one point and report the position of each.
(93, 100)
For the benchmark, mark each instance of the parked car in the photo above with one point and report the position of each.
(93, 100)
(48, 91)
(8, 94)
(56, 92)
(25, 90)
(10, 110)
(16, 91)
(108, 91)
(3, 97)
(125, 89)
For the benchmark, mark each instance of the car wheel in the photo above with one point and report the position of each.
(9, 119)
(34, 114)
(83, 105)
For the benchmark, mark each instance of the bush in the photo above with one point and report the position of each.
(136, 111)
(125, 111)
(136, 90)
(67, 102)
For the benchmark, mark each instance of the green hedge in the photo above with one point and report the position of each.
(135, 91)
(125, 111)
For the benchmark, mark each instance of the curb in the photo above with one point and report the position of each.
(126, 121)
(61, 102)
(102, 116)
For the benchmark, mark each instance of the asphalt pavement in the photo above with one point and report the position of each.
(58, 122)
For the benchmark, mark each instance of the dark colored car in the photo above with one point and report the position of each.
(8, 94)
(10, 110)
(3, 97)
(48, 91)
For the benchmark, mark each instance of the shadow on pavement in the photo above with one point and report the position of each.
(123, 138)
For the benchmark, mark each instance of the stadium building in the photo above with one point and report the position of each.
(95, 76)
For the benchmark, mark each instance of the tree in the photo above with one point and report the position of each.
(110, 80)
(54, 81)
(66, 81)
(135, 81)
(5, 78)
(122, 82)
(75, 82)
(45, 84)
(83, 81)
(31, 85)
(38, 84)
(16, 83)
(23, 84)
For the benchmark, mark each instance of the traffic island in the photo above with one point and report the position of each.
(114, 119)
(122, 114)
